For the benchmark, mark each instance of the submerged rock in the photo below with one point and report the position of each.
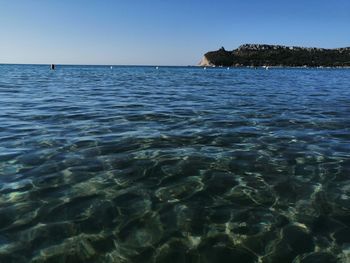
(174, 251)
(294, 241)
(342, 236)
(317, 257)
(142, 232)
(75, 249)
(221, 249)
(180, 191)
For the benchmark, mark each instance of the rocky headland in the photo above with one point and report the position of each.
(276, 55)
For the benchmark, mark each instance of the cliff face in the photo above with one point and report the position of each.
(205, 62)
(276, 55)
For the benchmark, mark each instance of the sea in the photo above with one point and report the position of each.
(174, 164)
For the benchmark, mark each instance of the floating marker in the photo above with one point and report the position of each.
(156, 67)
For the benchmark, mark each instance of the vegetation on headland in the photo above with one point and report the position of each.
(275, 55)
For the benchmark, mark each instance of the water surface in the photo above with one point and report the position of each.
(134, 164)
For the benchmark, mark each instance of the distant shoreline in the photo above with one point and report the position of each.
(278, 67)
(255, 55)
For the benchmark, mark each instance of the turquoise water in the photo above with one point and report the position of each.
(134, 164)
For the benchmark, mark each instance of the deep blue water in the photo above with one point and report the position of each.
(134, 164)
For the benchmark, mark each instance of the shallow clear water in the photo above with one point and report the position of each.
(134, 164)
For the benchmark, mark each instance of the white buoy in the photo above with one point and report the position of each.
(205, 68)
(111, 67)
(228, 68)
(157, 67)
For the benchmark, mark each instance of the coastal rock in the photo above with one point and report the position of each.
(276, 55)
(205, 62)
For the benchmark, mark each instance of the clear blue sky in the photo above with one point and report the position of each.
(161, 32)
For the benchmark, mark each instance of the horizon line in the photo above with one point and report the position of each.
(106, 65)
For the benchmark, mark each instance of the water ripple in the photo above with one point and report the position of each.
(174, 165)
